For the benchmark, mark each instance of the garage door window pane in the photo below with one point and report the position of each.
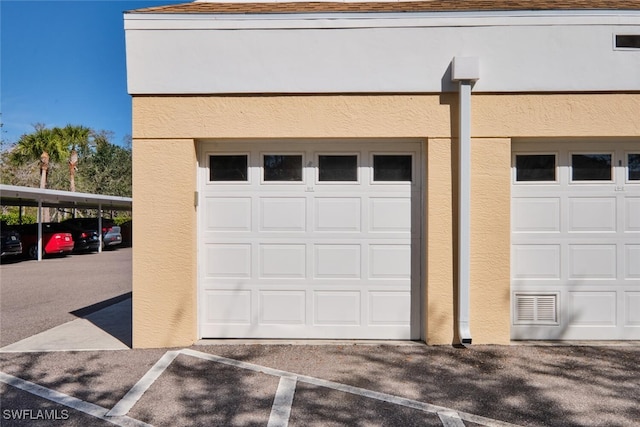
(391, 168)
(228, 167)
(338, 168)
(282, 167)
(634, 167)
(535, 167)
(591, 167)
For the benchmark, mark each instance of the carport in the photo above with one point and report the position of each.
(13, 195)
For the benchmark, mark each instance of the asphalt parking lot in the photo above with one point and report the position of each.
(36, 296)
(270, 383)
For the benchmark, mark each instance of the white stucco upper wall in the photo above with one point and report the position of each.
(382, 52)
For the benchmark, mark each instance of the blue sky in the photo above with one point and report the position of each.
(63, 62)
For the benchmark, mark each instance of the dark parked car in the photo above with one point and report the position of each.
(10, 240)
(85, 240)
(55, 239)
(110, 232)
(126, 229)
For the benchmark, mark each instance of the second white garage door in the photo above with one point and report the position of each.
(309, 240)
(576, 240)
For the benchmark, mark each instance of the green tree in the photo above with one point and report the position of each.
(108, 169)
(101, 167)
(44, 145)
(77, 141)
(13, 173)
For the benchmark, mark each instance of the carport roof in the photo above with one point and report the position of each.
(13, 195)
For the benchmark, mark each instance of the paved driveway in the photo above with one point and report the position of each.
(335, 385)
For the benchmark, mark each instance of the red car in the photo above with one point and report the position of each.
(55, 239)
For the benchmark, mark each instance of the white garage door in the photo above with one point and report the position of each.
(575, 259)
(309, 240)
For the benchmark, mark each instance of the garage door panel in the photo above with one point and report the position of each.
(594, 214)
(389, 308)
(536, 262)
(282, 307)
(228, 260)
(632, 217)
(536, 214)
(337, 308)
(230, 306)
(592, 262)
(337, 261)
(389, 261)
(592, 308)
(283, 261)
(632, 261)
(229, 213)
(337, 214)
(390, 214)
(632, 308)
(283, 214)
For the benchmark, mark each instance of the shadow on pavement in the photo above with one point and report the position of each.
(524, 385)
(113, 316)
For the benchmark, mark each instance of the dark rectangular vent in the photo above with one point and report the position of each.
(628, 41)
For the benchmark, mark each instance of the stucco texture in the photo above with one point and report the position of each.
(164, 256)
(490, 240)
(313, 116)
(166, 130)
(339, 116)
(440, 297)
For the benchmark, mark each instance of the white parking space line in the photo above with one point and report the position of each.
(126, 403)
(281, 409)
(450, 419)
(236, 363)
(69, 401)
(401, 401)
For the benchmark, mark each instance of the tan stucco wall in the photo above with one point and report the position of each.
(328, 116)
(490, 248)
(556, 115)
(165, 127)
(314, 116)
(440, 223)
(490, 240)
(164, 253)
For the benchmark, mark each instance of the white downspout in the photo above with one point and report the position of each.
(465, 71)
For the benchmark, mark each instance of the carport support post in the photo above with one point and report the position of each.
(465, 71)
(39, 230)
(100, 226)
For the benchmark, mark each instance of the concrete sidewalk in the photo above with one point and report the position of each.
(105, 329)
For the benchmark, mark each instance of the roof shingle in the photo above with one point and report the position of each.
(402, 6)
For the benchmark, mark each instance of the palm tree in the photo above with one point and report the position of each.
(43, 145)
(76, 139)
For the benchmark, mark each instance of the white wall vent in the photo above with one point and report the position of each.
(536, 309)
